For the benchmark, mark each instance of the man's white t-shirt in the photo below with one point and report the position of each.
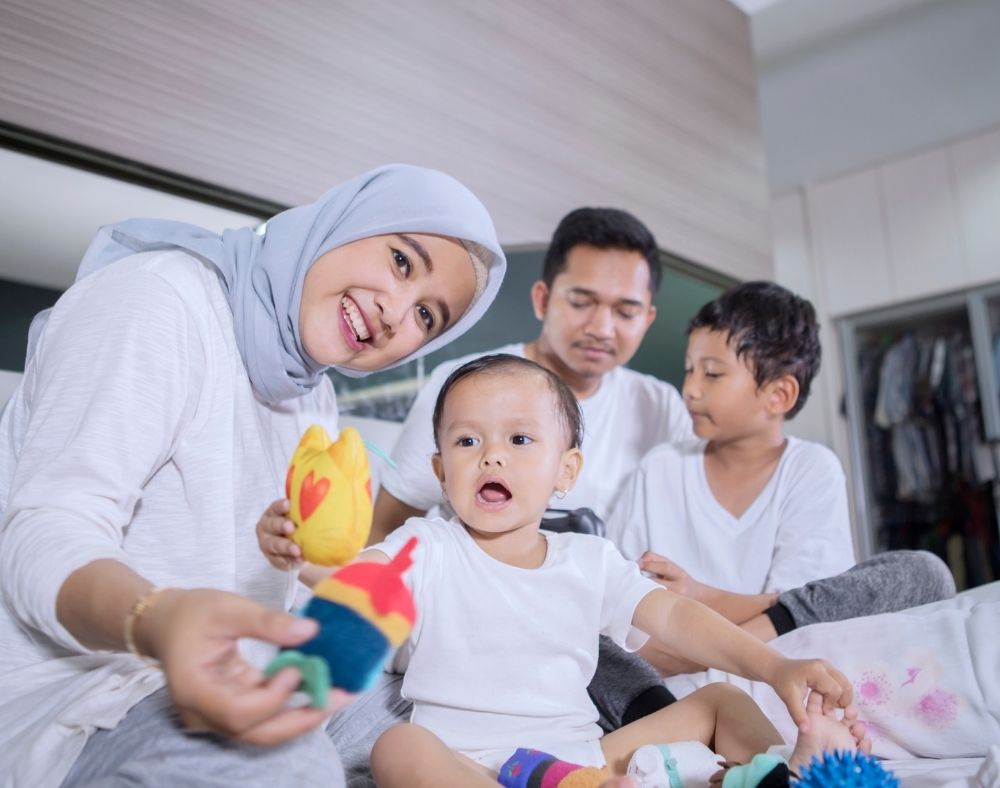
(626, 417)
(500, 656)
(796, 530)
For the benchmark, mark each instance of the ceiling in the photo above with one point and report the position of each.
(783, 27)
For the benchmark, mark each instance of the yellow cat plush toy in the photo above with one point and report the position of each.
(330, 489)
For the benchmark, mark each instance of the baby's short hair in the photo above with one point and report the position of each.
(771, 329)
(495, 363)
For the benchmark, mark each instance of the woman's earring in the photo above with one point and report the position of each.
(560, 494)
(444, 492)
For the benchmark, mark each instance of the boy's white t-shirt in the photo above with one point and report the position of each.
(502, 656)
(797, 530)
(626, 417)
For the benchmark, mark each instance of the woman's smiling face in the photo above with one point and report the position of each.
(369, 303)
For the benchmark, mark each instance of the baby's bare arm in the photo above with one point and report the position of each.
(694, 632)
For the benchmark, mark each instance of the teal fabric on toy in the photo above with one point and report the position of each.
(764, 771)
(314, 673)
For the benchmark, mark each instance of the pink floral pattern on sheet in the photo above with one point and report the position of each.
(905, 699)
(937, 708)
(873, 689)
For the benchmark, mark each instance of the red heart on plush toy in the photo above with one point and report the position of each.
(311, 494)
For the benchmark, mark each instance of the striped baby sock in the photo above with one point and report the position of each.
(528, 768)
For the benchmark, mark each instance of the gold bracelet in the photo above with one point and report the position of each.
(141, 605)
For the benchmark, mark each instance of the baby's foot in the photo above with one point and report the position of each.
(826, 733)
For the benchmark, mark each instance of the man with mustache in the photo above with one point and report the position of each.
(595, 300)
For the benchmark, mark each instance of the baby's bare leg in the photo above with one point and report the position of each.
(409, 756)
(720, 716)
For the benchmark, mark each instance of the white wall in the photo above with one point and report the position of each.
(912, 227)
(49, 212)
(538, 107)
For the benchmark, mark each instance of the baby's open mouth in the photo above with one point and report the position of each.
(354, 318)
(494, 492)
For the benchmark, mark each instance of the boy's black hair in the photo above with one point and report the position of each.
(572, 418)
(771, 329)
(605, 228)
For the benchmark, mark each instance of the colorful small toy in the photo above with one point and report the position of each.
(330, 489)
(527, 767)
(844, 769)
(364, 610)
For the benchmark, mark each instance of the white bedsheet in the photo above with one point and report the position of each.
(927, 680)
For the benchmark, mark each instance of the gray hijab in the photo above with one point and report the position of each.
(263, 274)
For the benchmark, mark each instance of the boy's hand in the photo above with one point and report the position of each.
(670, 575)
(793, 678)
(273, 529)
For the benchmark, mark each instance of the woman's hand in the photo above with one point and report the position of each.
(273, 530)
(670, 575)
(793, 678)
(194, 634)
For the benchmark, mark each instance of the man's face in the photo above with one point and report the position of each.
(598, 309)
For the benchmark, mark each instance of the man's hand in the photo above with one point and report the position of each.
(194, 634)
(273, 530)
(670, 575)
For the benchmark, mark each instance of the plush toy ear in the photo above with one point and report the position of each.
(329, 490)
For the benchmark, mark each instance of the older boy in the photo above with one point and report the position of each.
(757, 516)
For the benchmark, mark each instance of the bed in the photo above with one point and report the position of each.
(926, 680)
(967, 646)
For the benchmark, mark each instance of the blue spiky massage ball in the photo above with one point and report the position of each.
(844, 769)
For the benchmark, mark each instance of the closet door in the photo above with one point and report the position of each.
(846, 215)
(925, 250)
(976, 164)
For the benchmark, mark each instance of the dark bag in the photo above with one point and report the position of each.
(577, 521)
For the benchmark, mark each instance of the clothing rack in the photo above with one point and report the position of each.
(922, 396)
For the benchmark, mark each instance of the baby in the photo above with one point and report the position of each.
(509, 615)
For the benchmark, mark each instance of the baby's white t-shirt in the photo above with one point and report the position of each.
(796, 530)
(501, 656)
(626, 417)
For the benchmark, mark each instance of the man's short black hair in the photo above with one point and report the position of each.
(771, 329)
(604, 228)
(495, 363)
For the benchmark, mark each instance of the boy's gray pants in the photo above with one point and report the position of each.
(149, 749)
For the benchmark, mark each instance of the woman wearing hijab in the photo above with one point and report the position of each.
(162, 398)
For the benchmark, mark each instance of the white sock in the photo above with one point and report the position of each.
(685, 764)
